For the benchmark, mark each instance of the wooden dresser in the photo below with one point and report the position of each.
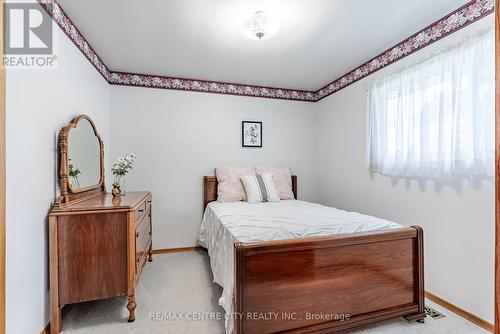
(98, 247)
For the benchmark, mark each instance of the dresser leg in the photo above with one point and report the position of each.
(131, 308)
(150, 253)
(55, 320)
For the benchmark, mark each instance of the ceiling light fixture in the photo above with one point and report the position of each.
(260, 26)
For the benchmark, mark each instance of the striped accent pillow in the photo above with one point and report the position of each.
(260, 188)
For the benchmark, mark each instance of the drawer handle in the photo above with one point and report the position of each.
(141, 210)
(137, 234)
(149, 202)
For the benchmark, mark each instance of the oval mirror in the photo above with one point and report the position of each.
(81, 157)
(84, 156)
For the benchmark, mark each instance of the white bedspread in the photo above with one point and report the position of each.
(226, 223)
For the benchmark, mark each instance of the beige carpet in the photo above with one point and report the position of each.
(182, 282)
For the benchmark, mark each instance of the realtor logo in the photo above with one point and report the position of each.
(28, 41)
(28, 29)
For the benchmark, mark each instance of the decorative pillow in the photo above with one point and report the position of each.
(260, 188)
(282, 177)
(230, 188)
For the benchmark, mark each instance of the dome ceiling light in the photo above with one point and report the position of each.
(260, 26)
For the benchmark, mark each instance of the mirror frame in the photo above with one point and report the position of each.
(67, 193)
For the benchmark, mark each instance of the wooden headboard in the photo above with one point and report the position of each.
(210, 189)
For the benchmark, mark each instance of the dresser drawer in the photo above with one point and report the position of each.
(142, 238)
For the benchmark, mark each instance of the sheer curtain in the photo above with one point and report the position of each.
(436, 118)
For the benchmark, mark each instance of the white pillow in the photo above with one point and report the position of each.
(260, 188)
(282, 178)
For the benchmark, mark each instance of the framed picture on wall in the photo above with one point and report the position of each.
(251, 134)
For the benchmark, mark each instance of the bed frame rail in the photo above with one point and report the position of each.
(329, 284)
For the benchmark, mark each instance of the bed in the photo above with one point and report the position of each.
(284, 267)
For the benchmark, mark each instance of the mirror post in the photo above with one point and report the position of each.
(63, 171)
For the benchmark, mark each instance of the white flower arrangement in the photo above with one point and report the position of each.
(120, 169)
(124, 165)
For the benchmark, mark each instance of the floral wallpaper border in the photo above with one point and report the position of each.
(454, 21)
(153, 81)
(63, 21)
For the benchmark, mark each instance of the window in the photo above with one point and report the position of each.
(436, 118)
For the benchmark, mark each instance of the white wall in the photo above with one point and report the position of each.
(458, 218)
(39, 103)
(180, 136)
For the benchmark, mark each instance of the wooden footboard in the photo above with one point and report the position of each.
(329, 284)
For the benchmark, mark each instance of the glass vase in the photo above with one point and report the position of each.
(118, 186)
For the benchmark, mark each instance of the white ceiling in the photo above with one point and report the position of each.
(318, 40)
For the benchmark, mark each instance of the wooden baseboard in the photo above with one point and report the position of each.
(176, 250)
(461, 312)
(46, 330)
